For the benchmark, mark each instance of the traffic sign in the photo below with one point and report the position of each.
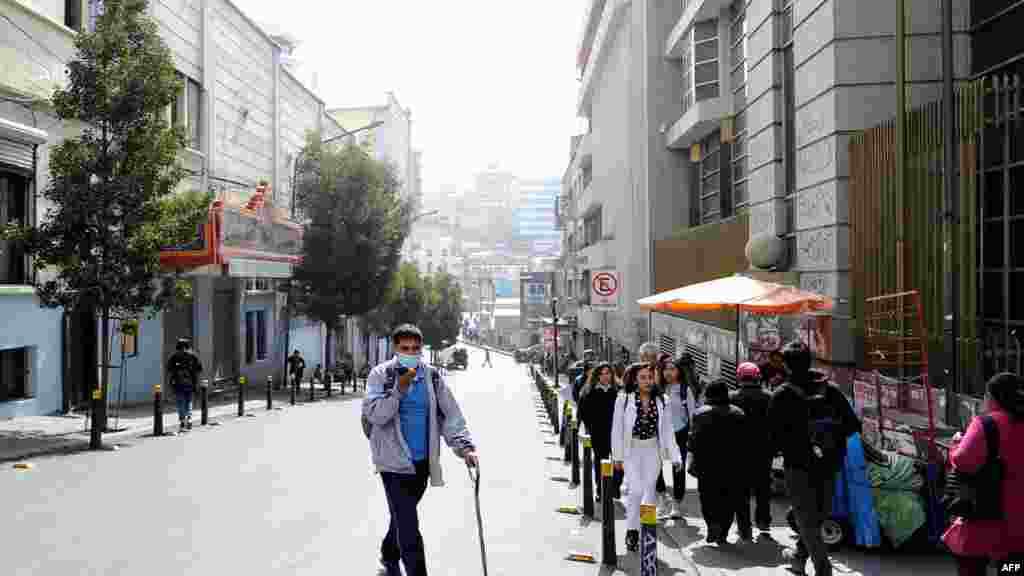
(604, 289)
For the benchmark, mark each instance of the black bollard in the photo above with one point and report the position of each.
(312, 391)
(588, 478)
(292, 388)
(329, 383)
(575, 440)
(567, 433)
(648, 540)
(608, 554)
(158, 414)
(563, 437)
(241, 396)
(270, 389)
(204, 401)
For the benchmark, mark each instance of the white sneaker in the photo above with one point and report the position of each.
(677, 509)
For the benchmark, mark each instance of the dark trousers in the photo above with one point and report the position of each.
(724, 499)
(761, 488)
(404, 540)
(601, 454)
(678, 476)
(811, 494)
(970, 566)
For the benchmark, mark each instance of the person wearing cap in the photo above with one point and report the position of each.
(183, 368)
(755, 402)
(720, 456)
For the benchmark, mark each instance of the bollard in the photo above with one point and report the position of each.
(329, 382)
(292, 388)
(204, 401)
(567, 433)
(312, 390)
(270, 389)
(158, 415)
(608, 554)
(648, 540)
(563, 439)
(575, 440)
(588, 477)
(241, 396)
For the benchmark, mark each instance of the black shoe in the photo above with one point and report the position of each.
(632, 540)
(389, 568)
(747, 535)
(764, 526)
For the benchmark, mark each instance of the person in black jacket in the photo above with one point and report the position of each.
(755, 402)
(810, 477)
(597, 406)
(720, 455)
(183, 368)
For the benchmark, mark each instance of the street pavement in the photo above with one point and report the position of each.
(293, 492)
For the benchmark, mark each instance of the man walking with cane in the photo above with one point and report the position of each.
(487, 358)
(407, 409)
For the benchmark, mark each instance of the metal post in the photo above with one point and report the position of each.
(241, 396)
(292, 388)
(270, 388)
(329, 383)
(608, 555)
(204, 401)
(312, 390)
(575, 440)
(567, 432)
(648, 540)
(588, 477)
(158, 415)
(951, 302)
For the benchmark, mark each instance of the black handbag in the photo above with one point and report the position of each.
(978, 496)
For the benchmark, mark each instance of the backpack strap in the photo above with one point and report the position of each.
(988, 423)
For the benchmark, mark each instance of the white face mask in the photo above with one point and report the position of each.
(408, 360)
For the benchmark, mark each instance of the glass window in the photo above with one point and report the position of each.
(185, 111)
(738, 51)
(95, 11)
(14, 374)
(250, 337)
(14, 207)
(261, 335)
(710, 178)
(700, 63)
(73, 14)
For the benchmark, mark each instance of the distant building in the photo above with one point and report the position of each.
(391, 141)
(534, 221)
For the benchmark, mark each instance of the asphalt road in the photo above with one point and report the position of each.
(293, 492)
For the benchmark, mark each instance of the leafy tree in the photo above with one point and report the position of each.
(110, 188)
(356, 223)
(443, 314)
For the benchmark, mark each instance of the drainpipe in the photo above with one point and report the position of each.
(951, 217)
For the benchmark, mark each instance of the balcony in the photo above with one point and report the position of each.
(700, 120)
(611, 18)
(693, 11)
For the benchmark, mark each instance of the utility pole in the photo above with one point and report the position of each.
(951, 301)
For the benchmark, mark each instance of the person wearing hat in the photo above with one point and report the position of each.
(720, 457)
(755, 401)
(183, 369)
(974, 543)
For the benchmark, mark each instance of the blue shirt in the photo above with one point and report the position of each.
(412, 412)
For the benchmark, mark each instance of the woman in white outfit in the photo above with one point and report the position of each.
(642, 438)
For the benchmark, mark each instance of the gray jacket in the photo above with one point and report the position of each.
(388, 446)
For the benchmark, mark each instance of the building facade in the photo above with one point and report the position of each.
(735, 118)
(535, 229)
(246, 118)
(391, 141)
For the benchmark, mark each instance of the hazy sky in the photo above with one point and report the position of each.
(488, 81)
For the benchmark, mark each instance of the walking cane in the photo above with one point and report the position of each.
(475, 478)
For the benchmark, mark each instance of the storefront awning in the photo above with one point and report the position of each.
(250, 241)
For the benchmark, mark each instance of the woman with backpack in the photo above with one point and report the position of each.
(975, 542)
(682, 404)
(642, 437)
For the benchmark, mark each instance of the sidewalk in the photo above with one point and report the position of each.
(34, 436)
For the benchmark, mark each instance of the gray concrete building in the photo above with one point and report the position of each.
(715, 125)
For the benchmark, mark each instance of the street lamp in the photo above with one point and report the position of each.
(298, 158)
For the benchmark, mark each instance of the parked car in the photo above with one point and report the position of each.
(459, 359)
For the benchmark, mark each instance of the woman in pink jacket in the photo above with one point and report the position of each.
(975, 543)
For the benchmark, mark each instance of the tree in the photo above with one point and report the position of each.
(111, 188)
(443, 315)
(357, 221)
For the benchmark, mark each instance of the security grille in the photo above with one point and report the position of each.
(667, 345)
(700, 359)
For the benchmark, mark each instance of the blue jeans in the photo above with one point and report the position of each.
(404, 540)
(183, 400)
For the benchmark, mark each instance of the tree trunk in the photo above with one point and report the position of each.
(99, 395)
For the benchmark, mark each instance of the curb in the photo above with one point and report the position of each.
(80, 445)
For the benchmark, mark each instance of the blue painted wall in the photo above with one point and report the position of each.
(306, 338)
(24, 323)
(142, 371)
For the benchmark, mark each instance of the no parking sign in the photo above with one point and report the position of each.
(604, 289)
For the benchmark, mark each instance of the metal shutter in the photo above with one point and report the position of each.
(700, 359)
(16, 155)
(667, 345)
(729, 372)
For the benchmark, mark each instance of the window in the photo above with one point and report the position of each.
(73, 14)
(713, 191)
(14, 207)
(255, 336)
(14, 374)
(738, 53)
(257, 285)
(95, 11)
(592, 228)
(700, 63)
(185, 111)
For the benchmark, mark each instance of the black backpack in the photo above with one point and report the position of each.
(824, 427)
(390, 377)
(978, 496)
